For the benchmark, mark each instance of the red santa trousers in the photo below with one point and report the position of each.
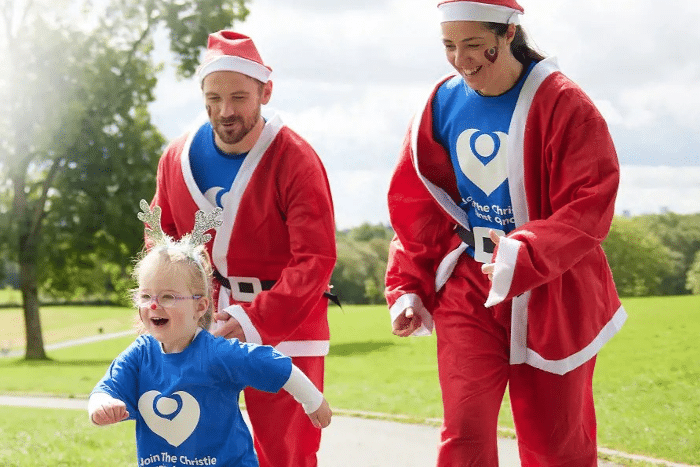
(282, 432)
(554, 415)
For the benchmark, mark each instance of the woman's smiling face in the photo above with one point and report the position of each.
(473, 50)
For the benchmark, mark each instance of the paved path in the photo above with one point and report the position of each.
(352, 441)
(347, 442)
(61, 345)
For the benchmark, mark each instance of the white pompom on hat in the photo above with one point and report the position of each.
(232, 51)
(492, 11)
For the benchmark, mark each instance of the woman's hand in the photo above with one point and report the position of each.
(488, 268)
(406, 323)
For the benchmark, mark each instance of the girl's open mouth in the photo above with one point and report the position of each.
(159, 321)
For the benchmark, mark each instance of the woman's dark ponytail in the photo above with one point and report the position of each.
(520, 48)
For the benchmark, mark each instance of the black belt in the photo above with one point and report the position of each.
(243, 287)
(247, 287)
(467, 237)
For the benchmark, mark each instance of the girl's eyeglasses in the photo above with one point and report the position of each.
(164, 299)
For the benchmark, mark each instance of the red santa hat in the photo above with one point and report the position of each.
(492, 11)
(232, 51)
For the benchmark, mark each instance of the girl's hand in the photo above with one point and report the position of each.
(321, 418)
(109, 412)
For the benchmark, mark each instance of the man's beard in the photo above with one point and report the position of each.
(234, 135)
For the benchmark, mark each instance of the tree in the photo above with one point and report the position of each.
(681, 234)
(358, 276)
(693, 279)
(639, 261)
(77, 148)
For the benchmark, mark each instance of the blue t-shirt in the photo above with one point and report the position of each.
(213, 170)
(474, 129)
(186, 404)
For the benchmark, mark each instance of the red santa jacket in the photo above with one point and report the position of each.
(550, 271)
(278, 225)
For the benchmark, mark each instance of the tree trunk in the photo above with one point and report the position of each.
(32, 319)
(28, 256)
(27, 244)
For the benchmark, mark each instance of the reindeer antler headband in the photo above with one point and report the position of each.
(198, 236)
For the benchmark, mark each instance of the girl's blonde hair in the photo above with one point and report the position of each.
(181, 258)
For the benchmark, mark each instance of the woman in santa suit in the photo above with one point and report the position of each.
(503, 193)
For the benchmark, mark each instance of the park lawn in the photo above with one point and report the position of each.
(646, 385)
(8, 296)
(47, 437)
(647, 381)
(61, 323)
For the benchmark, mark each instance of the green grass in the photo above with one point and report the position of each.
(10, 296)
(647, 383)
(61, 323)
(45, 437)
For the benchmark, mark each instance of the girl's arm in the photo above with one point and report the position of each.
(304, 391)
(105, 409)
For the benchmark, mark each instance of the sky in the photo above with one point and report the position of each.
(349, 76)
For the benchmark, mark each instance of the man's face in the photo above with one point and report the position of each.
(233, 103)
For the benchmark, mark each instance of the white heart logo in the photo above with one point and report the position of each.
(173, 426)
(474, 148)
(212, 194)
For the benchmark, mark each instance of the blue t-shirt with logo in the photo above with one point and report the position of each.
(474, 129)
(213, 170)
(186, 404)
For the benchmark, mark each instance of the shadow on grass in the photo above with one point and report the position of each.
(358, 348)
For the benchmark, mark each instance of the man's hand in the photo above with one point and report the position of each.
(406, 323)
(227, 327)
(488, 268)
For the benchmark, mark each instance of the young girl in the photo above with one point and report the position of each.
(177, 381)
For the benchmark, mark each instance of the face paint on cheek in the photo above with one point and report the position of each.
(491, 54)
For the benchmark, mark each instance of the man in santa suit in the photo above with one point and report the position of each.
(275, 251)
(503, 193)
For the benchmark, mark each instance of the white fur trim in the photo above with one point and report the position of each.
(440, 195)
(200, 200)
(304, 348)
(516, 138)
(572, 362)
(474, 11)
(447, 265)
(503, 272)
(233, 199)
(238, 64)
(251, 334)
(518, 328)
(289, 348)
(413, 300)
